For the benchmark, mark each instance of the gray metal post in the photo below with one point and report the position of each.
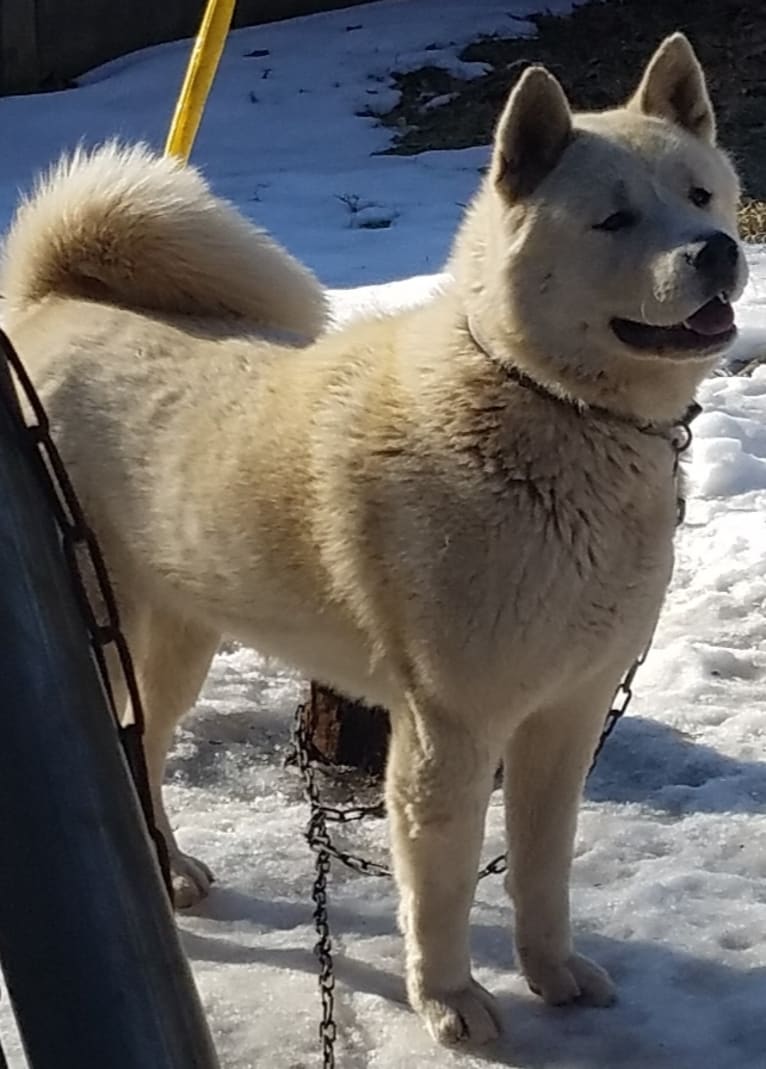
(88, 945)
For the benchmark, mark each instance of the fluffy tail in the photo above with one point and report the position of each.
(125, 226)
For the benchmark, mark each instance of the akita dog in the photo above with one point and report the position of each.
(463, 512)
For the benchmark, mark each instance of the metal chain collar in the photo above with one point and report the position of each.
(321, 815)
(82, 553)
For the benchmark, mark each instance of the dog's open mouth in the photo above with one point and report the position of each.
(710, 328)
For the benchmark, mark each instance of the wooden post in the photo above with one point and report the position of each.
(345, 732)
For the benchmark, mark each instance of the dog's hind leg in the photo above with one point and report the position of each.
(438, 785)
(546, 763)
(171, 671)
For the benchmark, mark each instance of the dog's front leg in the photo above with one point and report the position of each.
(438, 785)
(546, 763)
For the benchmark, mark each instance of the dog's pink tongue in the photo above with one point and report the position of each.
(715, 317)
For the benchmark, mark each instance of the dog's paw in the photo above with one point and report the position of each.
(466, 1016)
(191, 880)
(577, 979)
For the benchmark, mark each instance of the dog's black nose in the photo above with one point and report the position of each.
(716, 257)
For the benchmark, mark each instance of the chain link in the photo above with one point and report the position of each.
(319, 841)
(680, 440)
(620, 703)
(81, 552)
(319, 838)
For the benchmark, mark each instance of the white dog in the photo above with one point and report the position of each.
(462, 512)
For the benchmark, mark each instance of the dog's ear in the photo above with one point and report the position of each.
(533, 131)
(673, 87)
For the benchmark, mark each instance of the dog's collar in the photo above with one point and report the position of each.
(674, 432)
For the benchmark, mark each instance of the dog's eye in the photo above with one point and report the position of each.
(700, 197)
(617, 221)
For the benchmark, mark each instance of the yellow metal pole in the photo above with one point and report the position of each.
(203, 64)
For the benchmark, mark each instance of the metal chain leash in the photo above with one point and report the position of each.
(324, 848)
(320, 842)
(680, 440)
(81, 550)
(620, 703)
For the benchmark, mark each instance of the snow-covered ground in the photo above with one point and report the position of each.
(669, 886)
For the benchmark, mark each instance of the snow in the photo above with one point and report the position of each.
(669, 883)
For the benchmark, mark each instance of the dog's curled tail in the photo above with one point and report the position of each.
(126, 226)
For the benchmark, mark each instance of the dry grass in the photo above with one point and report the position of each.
(752, 220)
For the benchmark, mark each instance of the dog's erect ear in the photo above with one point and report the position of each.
(533, 131)
(673, 87)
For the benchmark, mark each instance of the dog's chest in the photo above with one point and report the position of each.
(601, 540)
(566, 550)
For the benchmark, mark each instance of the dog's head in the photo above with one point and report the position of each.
(607, 242)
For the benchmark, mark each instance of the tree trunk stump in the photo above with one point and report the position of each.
(345, 732)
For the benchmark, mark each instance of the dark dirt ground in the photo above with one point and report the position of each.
(598, 53)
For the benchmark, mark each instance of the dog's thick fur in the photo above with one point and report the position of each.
(388, 507)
